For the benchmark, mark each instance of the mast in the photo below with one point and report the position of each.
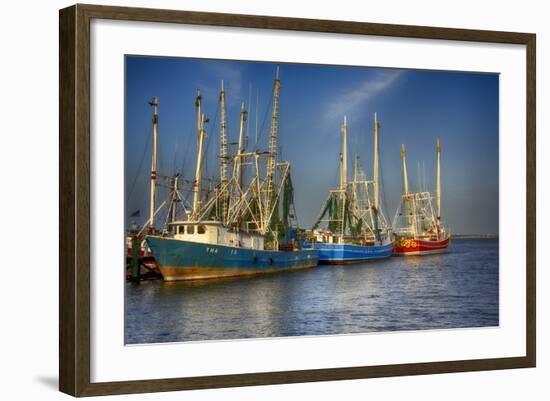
(438, 183)
(375, 167)
(344, 157)
(343, 174)
(409, 202)
(201, 120)
(354, 195)
(375, 178)
(223, 155)
(355, 177)
(242, 146)
(256, 111)
(405, 179)
(238, 170)
(356, 168)
(174, 199)
(272, 157)
(154, 103)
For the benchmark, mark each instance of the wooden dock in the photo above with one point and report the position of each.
(140, 266)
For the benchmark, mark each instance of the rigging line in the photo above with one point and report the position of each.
(382, 192)
(269, 106)
(188, 142)
(138, 171)
(248, 107)
(279, 156)
(423, 177)
(186, 151)
(420, 186)
(256, 111)
(381, 181)
(175, 155)
(209, 138)
(336, 172)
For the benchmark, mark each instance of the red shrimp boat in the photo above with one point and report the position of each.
(418, 229)
(412, 246)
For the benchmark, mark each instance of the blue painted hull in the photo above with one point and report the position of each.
(185, 260)
(349, 253)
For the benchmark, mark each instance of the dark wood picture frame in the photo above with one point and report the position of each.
(74, 202)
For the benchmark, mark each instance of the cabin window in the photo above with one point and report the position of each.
(190, 229)
(201, 229)
(181, 229)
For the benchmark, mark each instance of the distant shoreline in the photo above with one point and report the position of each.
(474, 236)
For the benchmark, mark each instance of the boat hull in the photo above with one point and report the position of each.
(185, 260)
(411, 247)
(350, 253)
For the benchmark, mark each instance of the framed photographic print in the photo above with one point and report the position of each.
(250, 200)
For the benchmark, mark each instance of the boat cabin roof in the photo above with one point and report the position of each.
(188, 222)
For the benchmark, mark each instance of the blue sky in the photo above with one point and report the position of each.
(414, 107)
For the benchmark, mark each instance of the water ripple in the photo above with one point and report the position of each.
(453, 290)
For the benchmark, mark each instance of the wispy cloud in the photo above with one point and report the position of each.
(351, 100)
(233, 82)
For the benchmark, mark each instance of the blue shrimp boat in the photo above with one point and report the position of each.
(351, 253)
(197, 251)
(355, 227)
(243, 228)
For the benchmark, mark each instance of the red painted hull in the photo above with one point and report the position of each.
(410, 246)
(146, 255)
(142, 252)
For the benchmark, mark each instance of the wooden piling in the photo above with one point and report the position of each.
(136, 246)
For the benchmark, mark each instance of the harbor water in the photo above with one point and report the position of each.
(457, 289)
